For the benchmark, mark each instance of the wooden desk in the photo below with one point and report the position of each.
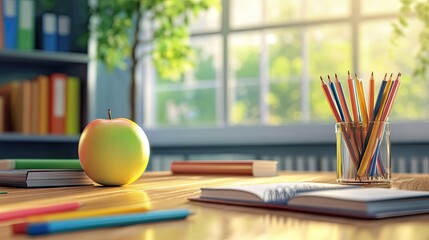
(212, 221)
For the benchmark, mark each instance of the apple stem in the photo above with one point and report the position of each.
(109, 113)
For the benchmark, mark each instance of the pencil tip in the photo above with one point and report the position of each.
(385, 75)
(372, 74)
(391, 75)
(321, 79)
(397, 77)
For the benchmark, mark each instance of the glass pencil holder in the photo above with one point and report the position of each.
(363, 152)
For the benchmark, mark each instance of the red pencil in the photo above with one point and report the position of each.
(38, 211)
(330, 101)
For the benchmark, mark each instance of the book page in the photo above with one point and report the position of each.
(272, 193)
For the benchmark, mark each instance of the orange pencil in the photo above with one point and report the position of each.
(352, 97)
(371, 95)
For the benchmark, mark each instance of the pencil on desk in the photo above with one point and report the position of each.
(38, 211)
(106, 221)
(22, 227)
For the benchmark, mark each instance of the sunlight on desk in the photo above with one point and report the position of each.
(215, 221)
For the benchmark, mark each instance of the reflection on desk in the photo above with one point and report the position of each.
(210, 221)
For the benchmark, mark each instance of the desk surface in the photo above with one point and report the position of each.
(212, 221)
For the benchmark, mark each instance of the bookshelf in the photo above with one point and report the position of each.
(20, 65)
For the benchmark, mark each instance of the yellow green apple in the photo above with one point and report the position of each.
(113, 152)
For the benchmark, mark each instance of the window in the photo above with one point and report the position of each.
(258, 64)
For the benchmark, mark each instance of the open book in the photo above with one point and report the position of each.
(330, 199)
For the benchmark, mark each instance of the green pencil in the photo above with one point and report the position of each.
(12, 164)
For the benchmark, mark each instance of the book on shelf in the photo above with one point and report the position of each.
(15, 88)
(321, 198)
(72, 119)
(43, 101)
(43, 178)
(1, 26)
(49, 36)
(10, 23)
(57, 103)
(35, 107)
(26, 106)
(64, 29)
(26, 31)
(5, 112)
(2, 114)
(43, 105)
(256, 168)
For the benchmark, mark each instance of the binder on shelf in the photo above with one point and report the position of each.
(16, 105)
(1, 25)
(64, 39)
(26, 22)
(57, 103)
(73, 106)
(2, 114)
(43, 87)
(10, 21)
(49, 32)
(26, 107)
(35, 107)
(5, 94)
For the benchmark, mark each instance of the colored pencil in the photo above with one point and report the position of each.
(335, 95)
(342, 99)
(371, 95)
(330, 101)
(364, 136)
(15, 214)
(22, 227)
(106, 221)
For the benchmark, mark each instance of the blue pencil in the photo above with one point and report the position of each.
(337, 101)
(105, 221)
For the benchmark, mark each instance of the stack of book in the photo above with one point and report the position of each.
(42, 173)
(44, 105)
(19, 28)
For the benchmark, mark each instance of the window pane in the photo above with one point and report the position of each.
(260, 12)
(326, 9)
(191, 101)
(370, 7)
(207, 21)
(329, 52)
(243, 82)
(378, 55)
(245, 13)
(285, 68)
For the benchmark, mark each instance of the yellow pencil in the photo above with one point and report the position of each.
(362, 100)
(371, 96)
(22, 227)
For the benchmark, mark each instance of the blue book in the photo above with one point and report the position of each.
(49, 32)
(64, 39)
(10, 21)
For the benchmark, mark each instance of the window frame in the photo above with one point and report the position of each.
(303, 133)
